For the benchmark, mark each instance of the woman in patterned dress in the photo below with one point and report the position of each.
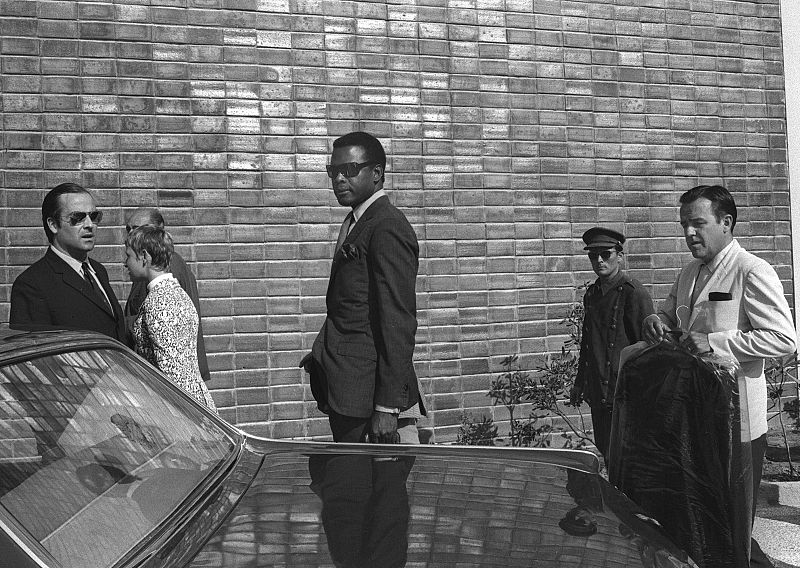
(165, 330)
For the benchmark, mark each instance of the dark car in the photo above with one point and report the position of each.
(106, 463)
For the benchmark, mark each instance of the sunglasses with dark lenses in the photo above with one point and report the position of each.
(350, 169)
(604, 254)
(77, 217)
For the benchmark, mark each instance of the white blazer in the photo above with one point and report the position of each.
(746, 317)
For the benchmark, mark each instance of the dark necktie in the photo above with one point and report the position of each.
(87, 275)
(703, 275)
(343, 232)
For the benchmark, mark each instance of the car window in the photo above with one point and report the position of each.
(97, 451)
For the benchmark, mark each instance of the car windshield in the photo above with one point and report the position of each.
(97, 451)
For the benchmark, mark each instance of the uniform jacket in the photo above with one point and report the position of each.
(745, 314)
(49, 294)
(180, 270)
(611, 322)
(363, 353)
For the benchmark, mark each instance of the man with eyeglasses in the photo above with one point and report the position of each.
(66, 289)
(182, 273)
(361, 369)
(615, 306)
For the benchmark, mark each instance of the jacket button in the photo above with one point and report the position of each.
(611, 345)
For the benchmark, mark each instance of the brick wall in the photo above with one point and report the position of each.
(512, 126)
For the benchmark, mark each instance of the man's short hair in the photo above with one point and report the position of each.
(51, 206)
(151, 214)
(372, 146)
(155, 241)
(722, 202)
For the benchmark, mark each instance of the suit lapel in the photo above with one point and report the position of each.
(73, 280)
(721, 272)
(685, 286)
(107, 289)
(363, 222)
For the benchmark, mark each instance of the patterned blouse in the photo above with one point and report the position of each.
(165, 332)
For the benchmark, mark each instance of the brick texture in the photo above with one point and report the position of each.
(511, 125)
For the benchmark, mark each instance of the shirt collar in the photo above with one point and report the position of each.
(721, 255)
(155, 281)
(608, 285)
(75, 264)
(359, 209)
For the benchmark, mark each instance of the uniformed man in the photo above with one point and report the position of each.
(614, 308)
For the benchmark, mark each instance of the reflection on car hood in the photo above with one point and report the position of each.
(344, 505)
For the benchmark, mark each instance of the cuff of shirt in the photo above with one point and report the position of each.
(387, 409)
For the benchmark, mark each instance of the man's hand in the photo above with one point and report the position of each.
(653, 329)
(306, 362)
(696, 342)
(383, 429)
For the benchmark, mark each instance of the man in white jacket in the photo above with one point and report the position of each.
(730, 302)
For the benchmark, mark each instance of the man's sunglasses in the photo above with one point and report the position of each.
(604, 254)
(350, 169)
(77, 217)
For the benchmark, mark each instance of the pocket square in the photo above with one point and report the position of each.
(350, 251)
(719, 296)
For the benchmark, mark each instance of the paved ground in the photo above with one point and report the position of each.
(777, 526)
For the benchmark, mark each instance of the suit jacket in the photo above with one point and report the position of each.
(49, 294)
(745, 314)
(363, 353)
(180, 270)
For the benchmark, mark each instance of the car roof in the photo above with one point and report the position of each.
(19, 343)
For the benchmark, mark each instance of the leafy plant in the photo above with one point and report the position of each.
(556, 377)
(511, 389)
(779, 375)
(472, 433)
(543, 392)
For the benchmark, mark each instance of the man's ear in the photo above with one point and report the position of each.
(147, 260)
(727, 221)
(377, 173)
(53, 225)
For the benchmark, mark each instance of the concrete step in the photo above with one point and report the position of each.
(779, 540)
(779, 493)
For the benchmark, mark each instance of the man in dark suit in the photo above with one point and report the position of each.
(362, 373)
(179, 269)
(66, 288)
